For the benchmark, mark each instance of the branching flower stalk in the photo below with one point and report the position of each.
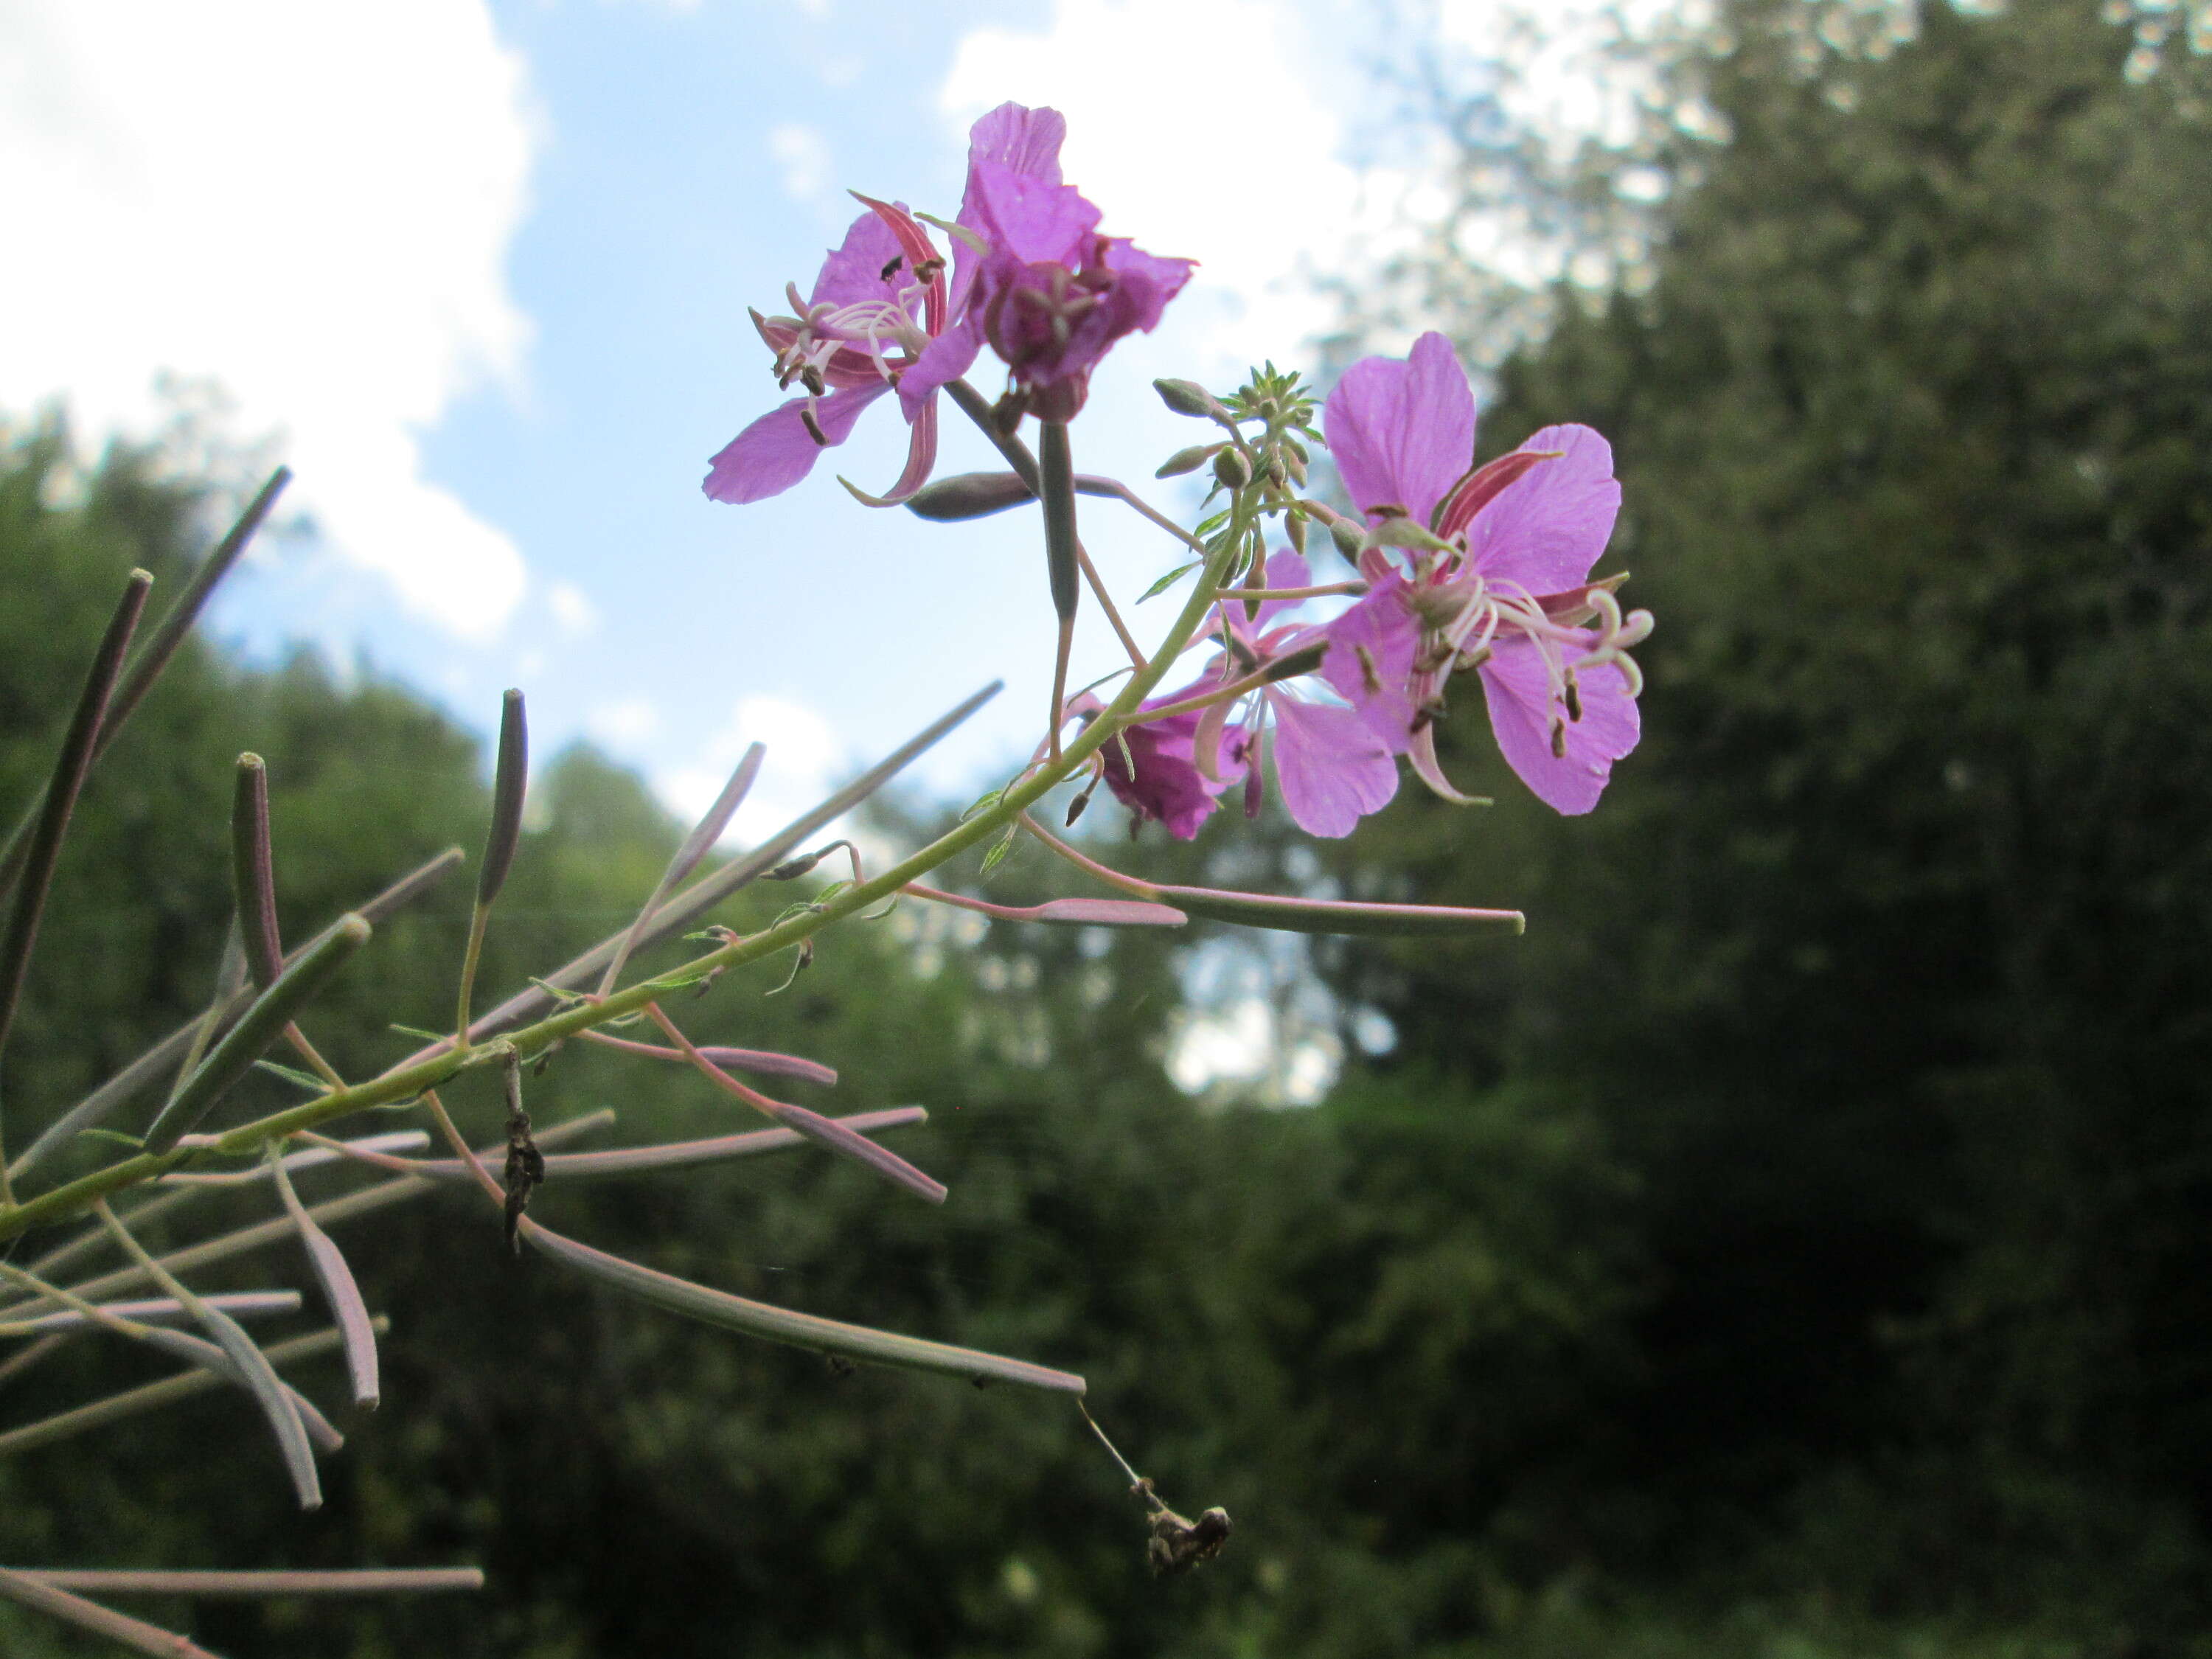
(1458, 569)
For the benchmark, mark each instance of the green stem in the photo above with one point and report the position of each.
(75, 1197)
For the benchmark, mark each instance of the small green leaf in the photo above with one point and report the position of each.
(307, 1080)
(116, 1135)
(983, 803)
(997, 855)
(1169, 580)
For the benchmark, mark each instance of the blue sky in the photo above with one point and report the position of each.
(480, 270)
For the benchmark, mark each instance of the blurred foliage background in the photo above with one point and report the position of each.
(1796, 1245)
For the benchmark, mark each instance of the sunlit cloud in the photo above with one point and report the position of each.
(802, 765)
(624, 723)
(309, 205)
(803, 153)
(573, 613)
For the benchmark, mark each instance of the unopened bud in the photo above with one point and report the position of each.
(1294, 527)
(1347, 537)
(968, 495)
(792, 869)
(1188, 397)
(1187, 460)
(1076, 806)
(1302, 661)
(1232, 469)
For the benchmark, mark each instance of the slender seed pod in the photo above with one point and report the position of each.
(252, 872)
(509, 781)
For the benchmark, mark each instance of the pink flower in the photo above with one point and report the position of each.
(1149, 770)
(1500, 584)
(1034, 280)
(1330, 766)
(877, 303)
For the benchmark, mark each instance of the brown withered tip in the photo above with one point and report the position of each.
(1177, 1545)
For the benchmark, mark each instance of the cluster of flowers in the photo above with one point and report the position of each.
(1461, 567)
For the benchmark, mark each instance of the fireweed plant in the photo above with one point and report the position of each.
(1458, 569)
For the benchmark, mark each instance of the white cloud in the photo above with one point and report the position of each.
(625, 723)
(804, 155)
(801, 765)
(574, 614)
(309, 204)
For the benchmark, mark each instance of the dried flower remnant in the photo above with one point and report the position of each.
(1177, 1545)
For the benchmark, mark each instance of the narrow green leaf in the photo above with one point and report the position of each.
(149, 1068)
(261, 1024)
(339, 1290)
(1169, 580)
(1340, 916)
(696, 845)
(97, 1413)
(797, 1330)
(72, 761)
(308, 1080)
(709, 890)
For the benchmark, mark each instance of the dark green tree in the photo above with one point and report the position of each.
(1882, 962)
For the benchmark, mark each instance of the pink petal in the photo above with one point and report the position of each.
(921, 456)
(1383, 628)
(1144, 282)
(1036, 222)
(943, 359)
(1522, 711)
(1545, 531)
(1402, 433)
(852, 270)
(1020, 139)
(776, 451)
(1333, 771)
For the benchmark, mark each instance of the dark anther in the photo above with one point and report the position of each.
(1574, 697)
(892, 269)
(1369, 676)
(814, 426)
